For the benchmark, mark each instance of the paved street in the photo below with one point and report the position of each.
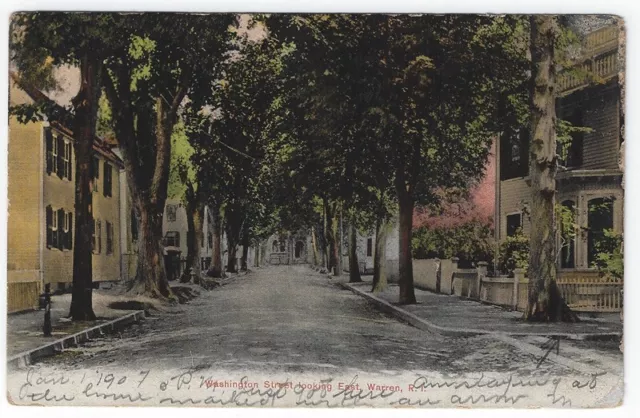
(292, 319)
(290, 324)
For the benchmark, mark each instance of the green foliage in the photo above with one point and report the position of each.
(514, 253)
(609, 259)
(565, 132)
(567, 226)
(470, 242)
(181, 169)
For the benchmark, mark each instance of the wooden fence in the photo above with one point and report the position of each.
(22, 296)
(592, 294)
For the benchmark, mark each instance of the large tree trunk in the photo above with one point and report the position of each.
(245, 249)
(147, 172)
(354, 270)
(545, 302)
(216, 253)
(151, 277)
(405, 263)
(380, 256)
(84, 130)
(195, 238)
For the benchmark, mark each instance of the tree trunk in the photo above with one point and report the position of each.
(380, 256)
(216, 253)
(354, 269)
(405, 263)
(314, 247)
(84, 130)
(147, 172)
(195, 215)
(256, 258)
(232, 246)
(151, 276)
(323, 243)
(331, 237)
(245, 250)
(544, 302)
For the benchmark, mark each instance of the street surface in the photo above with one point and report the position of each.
(290, 324)
(290, 318)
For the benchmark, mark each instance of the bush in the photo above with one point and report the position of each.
(514, 253)
(470, 242)
(609, 254)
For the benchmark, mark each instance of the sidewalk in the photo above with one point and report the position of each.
(452, 315)
(24, 330)
(113, 307)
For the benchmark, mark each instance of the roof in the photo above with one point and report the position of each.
(101, 146)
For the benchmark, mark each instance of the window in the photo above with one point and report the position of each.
(171, 212)
(49, 145)
(274, 247)
(172, 239)
(369, 247)
(298, 249)
(514, 155)
(96, 237)
(52, 228)
(54, 156)
(571, 155)
(514, 223)
(600, 219)
(95, 172)
(107, 185)
(109, 228)
(66, 160)
(210, 239)
(59, 228)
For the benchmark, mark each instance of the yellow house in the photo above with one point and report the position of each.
(41, 196)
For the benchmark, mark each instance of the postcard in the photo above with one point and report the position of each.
(315, 210)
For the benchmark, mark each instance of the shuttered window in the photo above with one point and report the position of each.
(49, 226)
(62, 238)
(49, 144)
(95, 173)
(67, 156)
(96, 237)
(59, 154)
(59, 228)
(59, 150)
(69, 231)
(109, 228)
(107, 185)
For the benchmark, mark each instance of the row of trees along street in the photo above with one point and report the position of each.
(285, 123)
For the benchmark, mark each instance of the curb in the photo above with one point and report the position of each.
(467, 332)
(26, 358)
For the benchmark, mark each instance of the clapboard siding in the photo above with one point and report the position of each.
(515, 194)
(600, 106)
